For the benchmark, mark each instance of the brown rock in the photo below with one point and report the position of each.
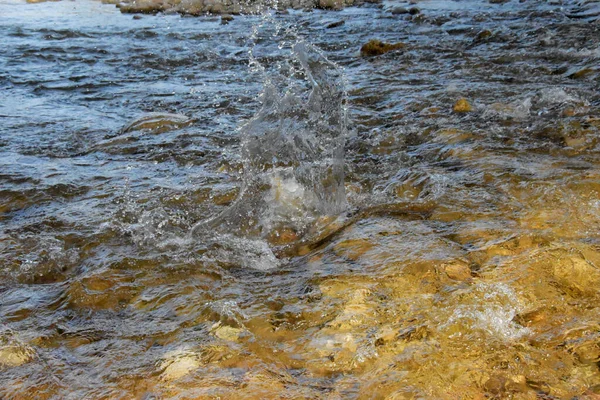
(458, 271)
(282, 236)
(331, 4)
(582, 73)
(462, 106)
(376, 47)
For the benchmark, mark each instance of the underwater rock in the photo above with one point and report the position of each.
(577, 275)
(14, 356)
(158, 123)
(13, 352)
(582, 73)
(335, 24)
(485, 34)
(226, 18)
(398, 10)
(376, 47)
(458, 271)
(282, 236)
(462, 106)
(178, 364)
(226, 332)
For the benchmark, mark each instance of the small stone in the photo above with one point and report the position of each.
(577, 275)
(178, 364)
(335, 24)
(225, 19)
(414, 11)
(399, 11)
(484, 34)
(458, 271)
(137, 17)
(331, 4)
(158, 123)
(582, 73)
(531, 318)
(226, 332)
(462, 106)
(14, 356)
(376, 47)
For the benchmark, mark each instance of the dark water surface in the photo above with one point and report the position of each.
(468, 263)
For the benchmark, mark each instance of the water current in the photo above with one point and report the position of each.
(195, 209)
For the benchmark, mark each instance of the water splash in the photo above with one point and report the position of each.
(292, 149)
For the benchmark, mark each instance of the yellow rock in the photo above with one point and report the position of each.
(462, 106)
(458, 271)
(577, 274)
(14, 356)
(229, 333)
(178, 365)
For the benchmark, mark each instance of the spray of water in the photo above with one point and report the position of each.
(292, 148)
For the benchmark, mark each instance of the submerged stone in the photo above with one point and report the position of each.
(398, 10)
(577, 274)
(376, 47)
(226, 332)
(178, 364)
(458, 271)
(14, 356)
(462, 106)
(335, 24)
(582, 73)
(158, 123)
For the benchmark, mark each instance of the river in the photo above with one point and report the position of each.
(198, 208)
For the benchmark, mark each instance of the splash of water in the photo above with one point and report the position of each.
(292, 150)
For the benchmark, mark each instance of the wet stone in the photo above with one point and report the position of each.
(14, 356)
(177, 364)
(399, 10)
(462, 106)
(582, 73)
(376, 47)
(485, 34)
(335, 24)
(158, 123)
(458, 271)
(226, 332)
(577, 274)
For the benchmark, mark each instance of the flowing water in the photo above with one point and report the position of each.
(198, 210)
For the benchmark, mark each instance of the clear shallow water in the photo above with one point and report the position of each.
(468, 265)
